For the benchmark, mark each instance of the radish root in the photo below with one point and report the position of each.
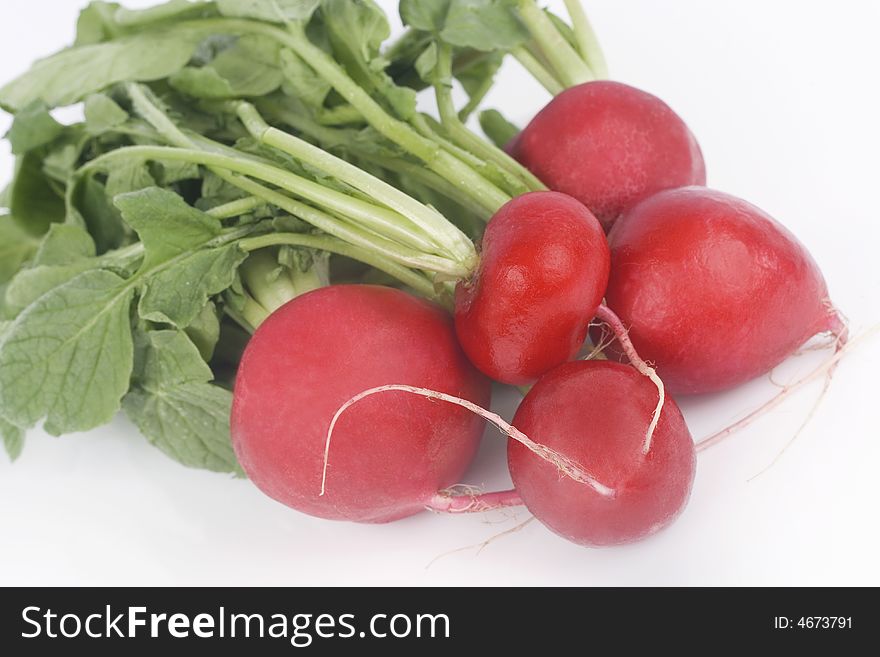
(470, 499)
(622, 334)
(565, 465)
(842, 346)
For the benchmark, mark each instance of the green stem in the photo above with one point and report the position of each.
(489, 196)
(433, 225)
(568, 66)
(464, 137)
(538, 71)
(332, 245)
(400, 132)
(497, 128)
(236, 208)
(283, 179)
(333, 137)
(253, 314)
(341, 115)
(588, 42)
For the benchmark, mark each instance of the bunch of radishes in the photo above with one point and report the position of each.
(203, 192)
(363, 403)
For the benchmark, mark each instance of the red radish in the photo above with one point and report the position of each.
(391, 455)
(596, 414)
(542, 274)
(609, 145)
(713, 290)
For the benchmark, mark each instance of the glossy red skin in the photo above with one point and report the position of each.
(714, 291)
(609, 145)
(390, 453)
(542, 274)
(596, 413)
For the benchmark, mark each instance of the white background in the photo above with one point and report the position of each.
(783, 97)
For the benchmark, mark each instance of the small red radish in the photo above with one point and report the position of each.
(596, 414)
(391, 455)
(713, 290)
(542, 274)
(609, 145)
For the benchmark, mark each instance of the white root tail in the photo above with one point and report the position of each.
(842, 347)
(566, 466)
(608, 316)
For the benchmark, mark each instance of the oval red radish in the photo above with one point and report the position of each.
(542, 274)
(596, 413)
(391, 454)
(609, 145)
(713, 290)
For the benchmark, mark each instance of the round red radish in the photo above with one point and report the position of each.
(391, 453)
(596, 413)
(542, 274)
(713, 290)
(609, 145)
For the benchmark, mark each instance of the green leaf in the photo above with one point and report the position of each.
(33, 201)
(95, 23)
(204, 330)
(172, 230)
(70, 75)
(32, 127)
(251, 67)
(13, 439)
(167, 226)
(356, 29)
(16, 247)
(172, 171)
(34, 282)
(277, 11)
(170, 11)
(68, 356)
(301, 81)
(64, 244)
(177, 295)
(175, 406)
(102, 114)
(479, 24)
(99, 215)
(203, 82)
(129, 176)
(426, 64)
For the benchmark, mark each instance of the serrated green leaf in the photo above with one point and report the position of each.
(175, 406)
(176, 296)
(72, 74)
(68, 356)
(167, 226)
(276, 11)
(32, 127)
(13, 439)
(102, 114)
